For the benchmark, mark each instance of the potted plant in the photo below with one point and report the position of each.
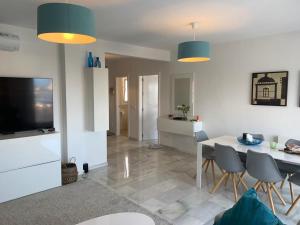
(184, 109)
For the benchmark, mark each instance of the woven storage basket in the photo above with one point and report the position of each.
(69, 173)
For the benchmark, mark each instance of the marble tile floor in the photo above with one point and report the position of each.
(162, 181)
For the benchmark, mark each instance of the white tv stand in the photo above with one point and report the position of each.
(29, 163)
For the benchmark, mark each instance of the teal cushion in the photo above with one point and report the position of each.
(249, 210)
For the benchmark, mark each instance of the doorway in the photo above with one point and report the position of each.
(148, 107)
(122, 106)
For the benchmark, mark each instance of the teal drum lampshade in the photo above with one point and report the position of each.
(65, 23)
(193, 51)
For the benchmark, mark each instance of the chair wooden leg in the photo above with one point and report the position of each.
(226, 181)
(220, 168)
(278, 194)
(213, 171)
(216, 187)
(204, 163)
(263, 188)
(270, 198)
(234, 187)
(241, 180)
(282, 183)
(256, 185)
(292, 192)
(260, 185)
(293, 205)
(208, 162)
(241, 176)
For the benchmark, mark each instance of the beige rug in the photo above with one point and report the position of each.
(68, 205)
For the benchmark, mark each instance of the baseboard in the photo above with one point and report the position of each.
(93, 167)
(110, 133)
(133, 138)
(98, 166)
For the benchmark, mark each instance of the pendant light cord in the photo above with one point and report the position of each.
(194, 27)
(194, 34)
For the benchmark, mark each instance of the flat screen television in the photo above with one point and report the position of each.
(25, 104)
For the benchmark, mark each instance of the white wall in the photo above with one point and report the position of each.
(83, 144)
(134, 67)
(132, 50)
(223, 86)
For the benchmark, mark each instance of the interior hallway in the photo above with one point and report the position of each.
(162, 181)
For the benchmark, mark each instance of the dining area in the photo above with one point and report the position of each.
(232, 160)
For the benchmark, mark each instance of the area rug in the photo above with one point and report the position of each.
(68, 205)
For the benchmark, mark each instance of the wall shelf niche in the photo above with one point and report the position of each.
(97, 108)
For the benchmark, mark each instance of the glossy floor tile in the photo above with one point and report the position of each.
(162, 181)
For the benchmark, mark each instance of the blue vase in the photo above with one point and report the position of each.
(97, 63)
(90, 60)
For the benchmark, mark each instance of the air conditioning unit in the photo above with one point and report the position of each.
(9, 42)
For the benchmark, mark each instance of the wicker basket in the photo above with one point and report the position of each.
(69, 173)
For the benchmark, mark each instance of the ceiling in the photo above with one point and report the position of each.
(164, 23)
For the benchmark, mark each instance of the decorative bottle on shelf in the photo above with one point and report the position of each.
(97, 63)
(90, 60)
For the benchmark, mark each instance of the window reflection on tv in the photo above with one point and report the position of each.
(25, 104)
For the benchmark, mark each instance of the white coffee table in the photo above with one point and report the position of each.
(128, 218)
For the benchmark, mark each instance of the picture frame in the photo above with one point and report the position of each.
(269, 88)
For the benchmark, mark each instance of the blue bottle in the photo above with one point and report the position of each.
(97, 63)
(90, 60)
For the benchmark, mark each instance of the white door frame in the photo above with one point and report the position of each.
(117, 100)
(140, 103)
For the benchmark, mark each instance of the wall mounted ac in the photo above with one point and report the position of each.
(9, 42)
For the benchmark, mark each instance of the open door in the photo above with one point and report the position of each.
(148, 99)
(122, 106)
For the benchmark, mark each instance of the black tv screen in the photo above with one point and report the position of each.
(25, 104)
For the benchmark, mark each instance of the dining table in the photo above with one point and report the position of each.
(232, 141)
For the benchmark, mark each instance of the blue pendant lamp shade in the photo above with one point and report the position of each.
(65, 23)
(193, 51)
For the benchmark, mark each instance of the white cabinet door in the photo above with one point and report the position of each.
(149, 107)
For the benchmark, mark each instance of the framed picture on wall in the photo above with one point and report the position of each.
(269, 88)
